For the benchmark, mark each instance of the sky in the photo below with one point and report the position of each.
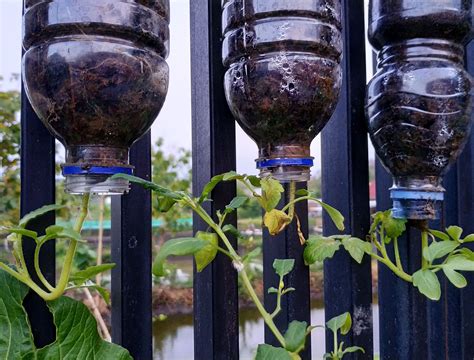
(174, 121)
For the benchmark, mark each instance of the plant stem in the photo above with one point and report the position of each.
(39, 273)
(397, 254)
(424, 245)
(66, 271)
(266, 316)
(291, 212)
(387, 262)
(279, 295)
(243, 273)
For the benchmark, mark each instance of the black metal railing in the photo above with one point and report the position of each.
(411, 327)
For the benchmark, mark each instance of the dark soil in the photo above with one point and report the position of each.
(284, 71)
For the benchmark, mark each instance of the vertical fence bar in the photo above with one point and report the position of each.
(295, 305)
(131, 252)
(444, 316)
(37, 190)
(216, 331)
(403, 310)
(466, 212)
(347, 285)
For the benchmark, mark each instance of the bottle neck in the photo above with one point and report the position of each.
(418, 49)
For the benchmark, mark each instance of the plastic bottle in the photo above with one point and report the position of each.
(284, 76)
(419, 103)
(95, 73)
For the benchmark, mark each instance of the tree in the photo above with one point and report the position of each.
(173, 172)
(9, 157)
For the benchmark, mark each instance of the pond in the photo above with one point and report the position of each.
(173, 337)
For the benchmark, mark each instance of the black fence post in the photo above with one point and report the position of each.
(403, 310)
(286, 245)
(216, 330)
(347, 285)
(38, 189)
(466, 211)
(131, 252)
(444, 316)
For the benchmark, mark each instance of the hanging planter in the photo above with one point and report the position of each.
(284, 76)
(419, 103)
(95, 73)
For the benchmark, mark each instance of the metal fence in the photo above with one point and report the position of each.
(410, 326)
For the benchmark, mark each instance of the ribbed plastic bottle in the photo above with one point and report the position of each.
(95, 73)
(419, 103)
(284, 76)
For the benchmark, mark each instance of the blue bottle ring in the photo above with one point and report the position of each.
(404, 194)
(271, 163)
(71, 170)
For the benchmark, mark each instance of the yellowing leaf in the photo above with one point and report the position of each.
(276, 221)
(208, 253)
(271, 193)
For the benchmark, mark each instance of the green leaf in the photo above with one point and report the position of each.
(428, 284)
(231, 176)
(151, 186)
(454, 277)
(176, 247)
(302, 193)
(208, 253)
(59, 232)
(164, 204)
(283, 267)
(357, 248)
(460, 263)
(252, 255)
(319, 249)
(16, 339)
(268, 352)
(82, 276)
(254, 181)
(271, 193)
(440, 235)
(76, 329)
(469, 238)
(342, 322)
(454, 232)
(77, 339)
(272, 290)
(334, 214)
(231, 229)
(439, 250)
(210, 186)
(103, 292)
(276, 221)
(37, 213)
(295, 336)
(21, 232)
(236, 203)
(394, 228)
(353, 349)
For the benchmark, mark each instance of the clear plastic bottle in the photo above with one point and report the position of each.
(419, 103)
(284, 76)
(95, 73)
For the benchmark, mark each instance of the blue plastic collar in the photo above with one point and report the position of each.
(402, 194)
(270, 163)
(96, 170)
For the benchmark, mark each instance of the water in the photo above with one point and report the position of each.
(173, 337)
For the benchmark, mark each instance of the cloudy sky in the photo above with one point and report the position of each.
(174, 122)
